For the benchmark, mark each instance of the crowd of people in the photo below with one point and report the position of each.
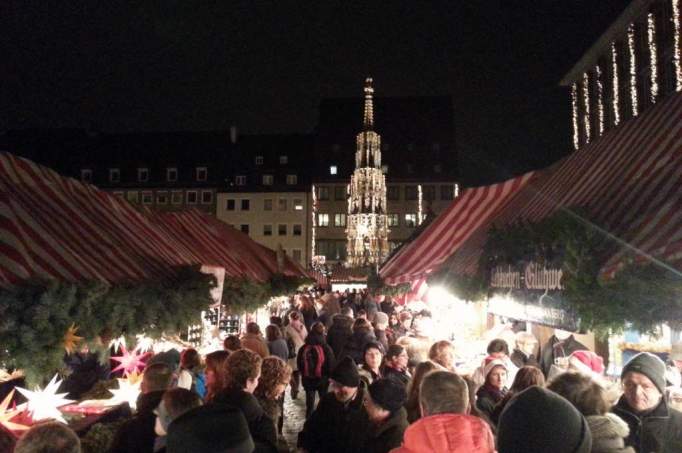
(374, 381)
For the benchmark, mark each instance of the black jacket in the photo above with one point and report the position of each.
(400, 376)
(486, 400)
(262, 428)
(382, 339)
(137, 434)
(336, 427)
(355, 345)
(520, 359)
(311, 383)
(659, 431)
(556, 348)
(389, 435)
(340, 331)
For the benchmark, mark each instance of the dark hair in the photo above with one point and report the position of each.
(49, 437)
(179, 400)
(252, 327)
(317, 328)
(157, 376)
(276, 320)
(232, 343)
(362, 312)
(585, 394)
(190, 359)
(394, 351)
(241, 366)
(527, 376)
(498, 345)
(215, 361)
(294, 315)
(272, 333)
(421, 370)
(361, 324)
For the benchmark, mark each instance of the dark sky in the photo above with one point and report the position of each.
(265, 65)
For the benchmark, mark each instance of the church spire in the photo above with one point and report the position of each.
(368, 121)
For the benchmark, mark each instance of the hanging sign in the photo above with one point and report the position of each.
(531, 276)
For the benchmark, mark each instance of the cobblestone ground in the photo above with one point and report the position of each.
(294, 417)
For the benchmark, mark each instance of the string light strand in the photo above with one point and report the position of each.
(586, 107)
(574, 106)
(633, 70)
(616, 85)
(653, 55)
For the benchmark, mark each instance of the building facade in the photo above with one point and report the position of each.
(633, 65)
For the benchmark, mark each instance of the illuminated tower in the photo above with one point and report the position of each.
(367, 230)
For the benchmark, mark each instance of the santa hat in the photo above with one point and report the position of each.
(586, 362)
(490, 363)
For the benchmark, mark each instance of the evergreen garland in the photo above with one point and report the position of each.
(241, 295)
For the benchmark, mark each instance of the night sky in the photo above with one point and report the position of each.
(265, 65)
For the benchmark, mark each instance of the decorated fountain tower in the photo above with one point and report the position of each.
(367, 230)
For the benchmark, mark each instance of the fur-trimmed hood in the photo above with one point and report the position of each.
(608, 433)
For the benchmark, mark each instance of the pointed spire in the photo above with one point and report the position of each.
(368, 121)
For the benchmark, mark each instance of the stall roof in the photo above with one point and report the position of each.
(59, 228)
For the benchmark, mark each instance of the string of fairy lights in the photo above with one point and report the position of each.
(616, 85)
(600, 99)
(676, 37)
(653, 55)
(574, 105)
(633, 70)
(586, 107)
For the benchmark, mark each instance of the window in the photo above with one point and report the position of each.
(340, 220)
(393, 220)
(429, 193)
(296, 255)
(202, 173)
(162, 197)
(268, 180)
(114, 175)
(282, 229)
(267, 230)
(133, 196)
(339, 192)
(411, 220)
(410, 192)
(171, 174)
(384, 169)
(86, 175)
(142, 175)
(230, 205)
(438, 168)
(282, 204)
(323, 193)
(292, 180)
(298, 204)
(297, 229)
(283, 159)
(176, 197)
(246, 205)
(240, 180)
(192, 197)
(333, 170)
(393, 193)
(118, 194)
(447, 192)
(323, 220)
(259, 160)
(206, 197)
(244, 228)
(147, 198)
(267, 204)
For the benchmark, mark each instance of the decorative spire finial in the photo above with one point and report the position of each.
(368, 121)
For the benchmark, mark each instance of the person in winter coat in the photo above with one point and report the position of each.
(340, 422)
(412, 404)
(274, 378)
(308, 311)
(340, 331)
(387, 416)
(315, 362)
(380, 326)
(395, 365)
(174, 403)
(608, 430)
(527, 376)
(443, 353)
(445, 425)
(253, 340)
(654, 426)
(493, 390)
(558, 348)
(296, 334)
(276, 344)
(525, 353)
(190, 376)
(355, 345)
(370, 370)
(137, 434)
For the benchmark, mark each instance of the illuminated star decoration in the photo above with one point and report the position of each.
(70, 339)
(144, 343)
(43, 404)
(7, 415)
(129, 361)
(128, 390)
(116, 343)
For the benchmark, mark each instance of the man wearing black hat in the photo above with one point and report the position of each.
(340, 422)
(387, 415)
(654, 427)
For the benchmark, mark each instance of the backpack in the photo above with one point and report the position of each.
(313, 359)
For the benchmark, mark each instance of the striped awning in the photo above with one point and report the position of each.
(59, 228)
(449, 230)
(628, 182)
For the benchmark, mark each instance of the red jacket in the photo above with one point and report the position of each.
(448, 433)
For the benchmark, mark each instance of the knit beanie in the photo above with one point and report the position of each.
(587, 361)
(388, 393)
(537, 420)
(650, 366)
(346, 373)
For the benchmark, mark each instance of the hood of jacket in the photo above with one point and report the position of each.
(147, 402)
(608, 433)
(452, 433)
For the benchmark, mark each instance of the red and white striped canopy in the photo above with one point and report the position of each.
(56, 227)
(449, 230)
(629, 182)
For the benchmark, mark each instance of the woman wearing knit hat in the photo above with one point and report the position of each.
(387, 415)
(493, 390)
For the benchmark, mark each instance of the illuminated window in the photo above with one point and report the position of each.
(333, 170)
(114, 175)
(393, 220)
(298, 204)
(268, 180)
(340, 220)
(240, 180)
(323, 220)
(171, 174)
(411, 220)
(292, 180)
(86, 175)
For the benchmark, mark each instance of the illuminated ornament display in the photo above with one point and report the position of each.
(586, 107)
(71, 339)
(314, 224)
(129, 362)
(676, 49)
(44, 404)
(600, 100)
(128, 390)
(117, 343)
(633, 70)
(144, 343)
(6, 415)
(653, 55)
(367, 230)
(574, 113)
(419, 204)
(616, 86)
